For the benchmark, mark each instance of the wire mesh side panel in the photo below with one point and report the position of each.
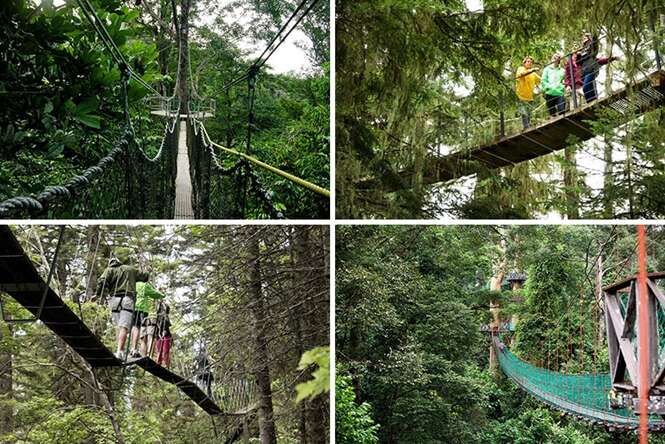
(100, 192)
(197, 154)
(235, 392)
(584, 395)
(152, 180)
(100, 197)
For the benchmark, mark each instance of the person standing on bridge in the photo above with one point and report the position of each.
(590, 64)
(574, 85)
(552, 86)
(164, 338)
(145, 297)
(526, 81)
(119, 279)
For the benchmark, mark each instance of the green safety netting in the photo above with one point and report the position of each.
(585, 396)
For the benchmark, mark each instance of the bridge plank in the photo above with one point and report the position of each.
(183, 182)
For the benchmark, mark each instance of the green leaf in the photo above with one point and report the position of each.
(48, 107)
(87, 106)
(90, 120)
(70, 107)
(320, 383)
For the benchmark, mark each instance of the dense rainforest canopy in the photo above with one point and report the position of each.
(255, 298)
(63, 106)
(413, 364)
(419, 80)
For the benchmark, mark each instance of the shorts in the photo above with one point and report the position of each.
(148, 327)
(122, 316)
(138, 318)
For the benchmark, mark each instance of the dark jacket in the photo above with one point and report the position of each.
(163, 321)
(120, 279)
(203, 366)
(578, 69)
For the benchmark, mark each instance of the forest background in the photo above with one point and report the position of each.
(62, 106)
(256, 297)
(420, 79)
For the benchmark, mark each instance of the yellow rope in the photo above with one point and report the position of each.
(284, 174)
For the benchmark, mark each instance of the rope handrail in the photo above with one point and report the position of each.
(38, 203)
(295, 179)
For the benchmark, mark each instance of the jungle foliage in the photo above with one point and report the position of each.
(412, 361)
(63, 108)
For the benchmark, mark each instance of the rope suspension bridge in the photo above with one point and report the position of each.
(187, 177)
(631, 394)
(234, 395)
(489, 145)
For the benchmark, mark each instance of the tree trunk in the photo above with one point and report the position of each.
(420, 150)
(163, 43)
(297, 329)
(495, 309)
(267, 433)
(6, 381)
(93, 241)
(608, 181)
(570, 184)
(311, 262)
(600, 301)
(629, 179)
(183, 38)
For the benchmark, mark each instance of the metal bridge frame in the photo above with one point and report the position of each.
(623, 335)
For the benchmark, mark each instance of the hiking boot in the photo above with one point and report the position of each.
(120, 355)
(135, 354)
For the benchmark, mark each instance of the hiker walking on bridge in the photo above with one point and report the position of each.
(526, 81)
(204, 376)
(146, 294)
(164, 338)
(119, 280)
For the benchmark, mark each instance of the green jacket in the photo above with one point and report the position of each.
(119, 278)
(551, 83)
(144, 294)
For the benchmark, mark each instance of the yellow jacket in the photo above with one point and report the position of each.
(525, 84)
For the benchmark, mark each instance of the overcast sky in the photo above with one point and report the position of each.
(288, 58)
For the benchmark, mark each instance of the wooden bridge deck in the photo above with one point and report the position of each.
(20, 279)
(548, 137)
(198, 115)
(183, 182)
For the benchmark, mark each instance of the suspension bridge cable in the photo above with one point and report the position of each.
(259, 62)
(100, 29)
(297, 180)
(307, 11)
(282, 28)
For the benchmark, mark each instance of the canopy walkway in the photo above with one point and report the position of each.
(548, 137)
(20, 279)
(129, 184)
(609, 398)
(585, 397)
